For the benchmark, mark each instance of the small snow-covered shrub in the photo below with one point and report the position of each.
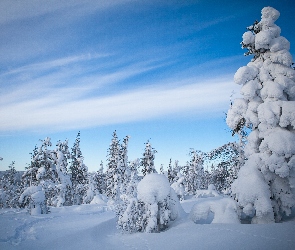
(154, 206)
(34, 199)
(215, 210)
(160, 202)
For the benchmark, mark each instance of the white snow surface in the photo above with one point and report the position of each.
(215, 210)
(93, 226)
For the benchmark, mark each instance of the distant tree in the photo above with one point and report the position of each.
(10, 187)
(124, 169)
(170, 171)
(162, 169)
(147, 161)
(194, 172)
(99, 180)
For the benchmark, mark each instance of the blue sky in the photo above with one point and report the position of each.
(158, 70)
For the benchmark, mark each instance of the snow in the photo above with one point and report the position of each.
(215, 210)
(92, 226)
(245, 74)
(153, 188)
(279, 141)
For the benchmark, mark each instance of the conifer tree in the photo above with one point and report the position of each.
(64, 184)
(113, 173)
(78, 173)
(10, 187)
(264, 183)
(147, 161)
(99, 179)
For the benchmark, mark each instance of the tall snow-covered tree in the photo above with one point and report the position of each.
(79, 173)
(147, 160)
(64, 185)
(265, 183)
(113, 173)
(124, 169)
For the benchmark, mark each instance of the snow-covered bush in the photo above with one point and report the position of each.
(160, 202)
(215, 210)
(33, 198)
(151, 209)
(264, 183)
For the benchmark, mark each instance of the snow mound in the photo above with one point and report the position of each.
(215, 210)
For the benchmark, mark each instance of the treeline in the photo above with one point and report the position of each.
(58, 177)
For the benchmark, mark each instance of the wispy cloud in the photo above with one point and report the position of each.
(62, 111)
(20, 10)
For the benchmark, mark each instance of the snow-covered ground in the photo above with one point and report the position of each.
(94, 227)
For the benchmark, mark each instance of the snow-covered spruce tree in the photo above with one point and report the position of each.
(99, 180)
(147, 161)
(229, 158)
(113, 177)
(125, 171)
(78, 173)
(171, 173)
(194, 172)
(64, 185)
(128, 211)
(265, 183)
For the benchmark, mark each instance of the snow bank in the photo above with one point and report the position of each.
(215, 210)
